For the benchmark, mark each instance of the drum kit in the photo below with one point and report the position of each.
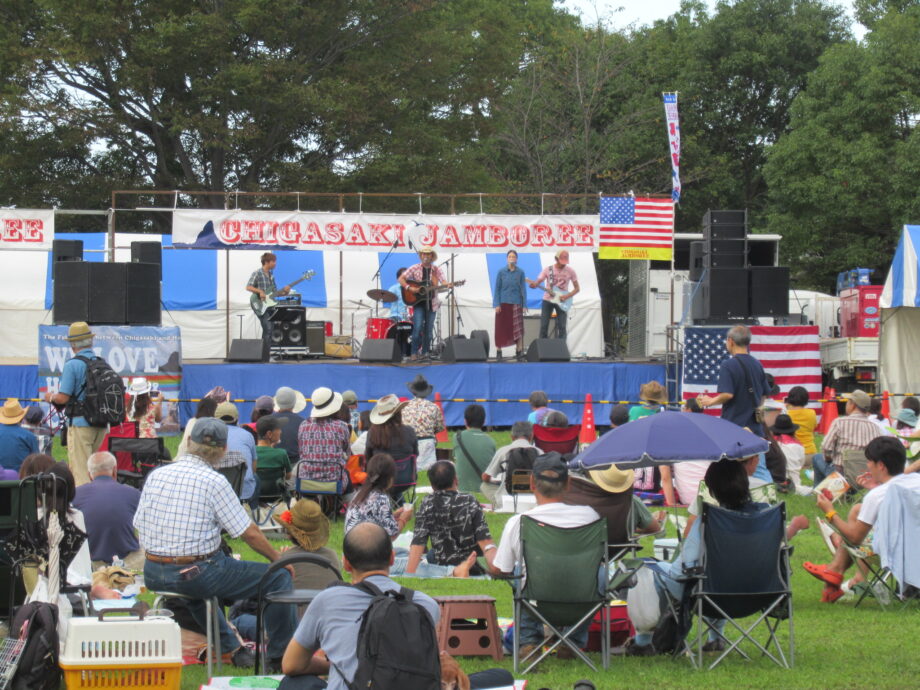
(381, 327)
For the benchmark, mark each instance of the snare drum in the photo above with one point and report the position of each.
(377, 328)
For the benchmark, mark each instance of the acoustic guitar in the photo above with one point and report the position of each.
(425, 291)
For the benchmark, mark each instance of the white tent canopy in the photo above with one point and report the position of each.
(900, 318)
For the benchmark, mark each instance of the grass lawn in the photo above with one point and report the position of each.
(836, 645)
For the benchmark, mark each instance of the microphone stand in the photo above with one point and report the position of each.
(376, 276)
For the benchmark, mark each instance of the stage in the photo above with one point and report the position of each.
(498, 386)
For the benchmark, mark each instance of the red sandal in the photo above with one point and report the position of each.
(822, 573)
(831, 594)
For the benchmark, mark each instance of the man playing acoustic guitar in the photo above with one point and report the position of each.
(262, 284)
(555, 295)
(421, 284)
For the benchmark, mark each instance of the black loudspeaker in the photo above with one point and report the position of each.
(148, 253)
(71, 291)
(724, 261)
(289, 326)
(250, 350)
(66, 250)
(380, 350)
(697, 249)
(724, 294)
(483, 337)
(726, 247)
(142, 294)
(459, 349)
(316, 337)
(107, 302)
(769, 290)
(762, 253)
(738, 217)
(548, 350)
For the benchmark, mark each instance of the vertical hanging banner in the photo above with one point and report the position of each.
(636, 228)
(670, 114)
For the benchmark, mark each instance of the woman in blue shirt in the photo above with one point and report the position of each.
(509, 299)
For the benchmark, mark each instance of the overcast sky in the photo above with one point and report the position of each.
(622, 13)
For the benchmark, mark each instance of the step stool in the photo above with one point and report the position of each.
(469, 626)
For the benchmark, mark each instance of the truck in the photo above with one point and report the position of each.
(851, 360)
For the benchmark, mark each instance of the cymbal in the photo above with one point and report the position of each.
(381, 295)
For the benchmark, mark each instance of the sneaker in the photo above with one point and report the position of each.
(717, 645)
(243, 657)
(633, 649)
(809, 475)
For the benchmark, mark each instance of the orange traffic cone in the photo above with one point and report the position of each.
(441, 436)
(828, 409)
(886, 405)
(588, 433)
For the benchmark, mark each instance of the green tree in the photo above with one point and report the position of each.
(842, 181)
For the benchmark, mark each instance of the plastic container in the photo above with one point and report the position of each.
(122, 652)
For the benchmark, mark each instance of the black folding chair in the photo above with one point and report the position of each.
(146, 453)
(744, 571)
(235, 475)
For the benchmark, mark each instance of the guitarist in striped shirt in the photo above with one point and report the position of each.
(556, 294)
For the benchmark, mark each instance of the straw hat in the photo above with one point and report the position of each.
(427, 249)
(653, 392)
(289, 399)
(385, 408)
(306, 523)
(11, 412)
(613, 479)
(325, 402)
(79, 330)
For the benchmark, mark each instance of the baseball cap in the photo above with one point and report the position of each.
(227, 412)
(550, 462)
(210, 432)
(860, 399)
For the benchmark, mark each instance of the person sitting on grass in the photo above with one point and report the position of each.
(372, 502)
(885, 458)
(455, 525)
(728, 482)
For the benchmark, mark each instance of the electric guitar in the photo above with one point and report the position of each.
(555, 296)
(425, 291)
(259, 306)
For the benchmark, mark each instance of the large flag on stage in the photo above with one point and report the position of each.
(790, 353)
(636, 228)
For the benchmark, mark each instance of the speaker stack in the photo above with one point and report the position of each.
(730, 286)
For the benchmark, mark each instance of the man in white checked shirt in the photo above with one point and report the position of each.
(183, 508)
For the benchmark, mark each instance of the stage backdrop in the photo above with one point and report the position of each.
(131, 351)
(199, 284)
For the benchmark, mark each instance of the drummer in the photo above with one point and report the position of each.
(400, 312)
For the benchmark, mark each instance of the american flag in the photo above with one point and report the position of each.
(636, 222)
(790, 353)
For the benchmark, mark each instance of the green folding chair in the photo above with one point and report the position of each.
(560, 586)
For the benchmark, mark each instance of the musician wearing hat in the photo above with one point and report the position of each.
(15, 442)
(82, 439)
(420, 282)
(557, 277)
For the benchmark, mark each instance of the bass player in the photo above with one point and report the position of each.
(262, 284)
(556, 295)
(425, 278)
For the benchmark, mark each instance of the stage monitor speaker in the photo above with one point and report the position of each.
(725, 293)
(107, 302)
(548, 350)
(482, 336)
(697, 249)
(148, 253)
(380, 350)
(316, 337)
(769, 290)
(248, 350)
(71, 292)
(66, 250)
(460, 349)
(142, 294)
(289, 326)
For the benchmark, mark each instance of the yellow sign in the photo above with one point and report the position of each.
(636, 253)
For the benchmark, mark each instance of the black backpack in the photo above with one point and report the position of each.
(104, 404)
(38, 666)
(518, 459)
(397, 643)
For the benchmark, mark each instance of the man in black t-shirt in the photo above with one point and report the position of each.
(742, 382)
